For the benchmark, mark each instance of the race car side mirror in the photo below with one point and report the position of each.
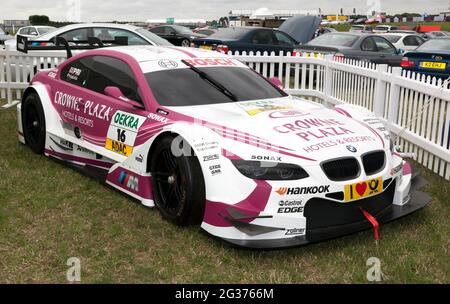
(276, 82)
(116, 93)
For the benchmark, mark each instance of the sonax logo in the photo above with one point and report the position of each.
(129, 181)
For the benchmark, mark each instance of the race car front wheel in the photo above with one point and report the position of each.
(178, 184)
(33, 123)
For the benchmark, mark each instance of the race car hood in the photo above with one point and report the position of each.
(293, 125)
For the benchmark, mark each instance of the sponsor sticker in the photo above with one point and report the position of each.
(303, 190)
(167, 64)
(363, 189)
(215, 169)
(118, 147)
(396, 169)
(210, 157)
(122, 132)
(129, 181)
(287, 113)
(295, 231)
(211, 62)
(255, 107)
(290, 209)
(266, 158)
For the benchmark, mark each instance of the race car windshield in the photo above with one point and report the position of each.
(186, 87)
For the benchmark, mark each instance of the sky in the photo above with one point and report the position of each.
(141, 10)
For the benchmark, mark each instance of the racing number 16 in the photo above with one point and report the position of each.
(121, 135)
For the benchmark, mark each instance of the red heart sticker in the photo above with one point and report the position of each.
(361, 188)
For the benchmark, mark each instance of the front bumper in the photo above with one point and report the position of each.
(340, 226)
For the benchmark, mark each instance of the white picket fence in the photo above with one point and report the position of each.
(415, 108)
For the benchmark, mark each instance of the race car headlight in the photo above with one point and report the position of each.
(269, 170)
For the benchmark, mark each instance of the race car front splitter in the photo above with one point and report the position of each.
(391, 212)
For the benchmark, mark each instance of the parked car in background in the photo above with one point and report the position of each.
(206, 31)
(406, 42)
(358, 28)
(4, 36)
(385, 28)
(436, 34)
(431, 58)
(359, 21)
(361, 46)
(328, 30)
(178, 35)
(404, 32)
(248, 39)
(35, 31)
(104, 31)
(290, 34)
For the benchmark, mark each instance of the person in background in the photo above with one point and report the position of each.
(320, 31)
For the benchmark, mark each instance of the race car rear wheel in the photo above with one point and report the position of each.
(33, 123)
(178, 184)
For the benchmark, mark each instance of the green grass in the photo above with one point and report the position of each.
(445, 26)
(49, 212)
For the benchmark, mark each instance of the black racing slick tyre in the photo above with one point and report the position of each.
(178, 184)
(33, 123)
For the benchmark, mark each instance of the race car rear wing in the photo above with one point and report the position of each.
(60, 44)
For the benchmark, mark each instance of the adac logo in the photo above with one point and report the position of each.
(282, 191)
(128, 180)
(352, 149)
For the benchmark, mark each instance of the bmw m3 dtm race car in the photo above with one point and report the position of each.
(209, 141)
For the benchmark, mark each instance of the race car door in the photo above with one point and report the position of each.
(101, 118)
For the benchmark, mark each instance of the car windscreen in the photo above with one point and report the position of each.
(185, 87)
(382, 28)
(229, 33)
(182, 29)
(44, 30)
(332, 39)
(392, 38)
(153, 37)
(435, 45)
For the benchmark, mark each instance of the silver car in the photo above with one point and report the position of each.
(104, 31)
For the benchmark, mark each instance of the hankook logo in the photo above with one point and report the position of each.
(303, 190)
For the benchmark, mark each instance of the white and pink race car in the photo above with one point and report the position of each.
(209, 141)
